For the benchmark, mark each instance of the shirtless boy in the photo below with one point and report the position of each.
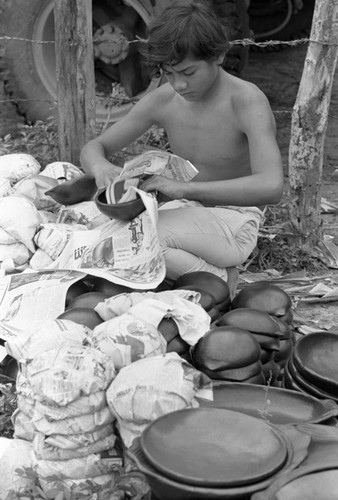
(223, 125)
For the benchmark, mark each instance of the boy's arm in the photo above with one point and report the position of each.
(263, 186)
(94, 154)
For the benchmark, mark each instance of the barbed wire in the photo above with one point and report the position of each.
(244, 41)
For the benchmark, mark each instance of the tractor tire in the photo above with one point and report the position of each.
(279, 20)
(27, 57)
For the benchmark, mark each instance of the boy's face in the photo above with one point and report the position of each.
(192, 78)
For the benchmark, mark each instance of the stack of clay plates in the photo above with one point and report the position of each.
(229, 353)
(312, 367)
(211, 453)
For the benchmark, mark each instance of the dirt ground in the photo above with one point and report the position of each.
(278, 74)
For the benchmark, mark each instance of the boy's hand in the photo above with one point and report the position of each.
(169, 187)
(105, 173)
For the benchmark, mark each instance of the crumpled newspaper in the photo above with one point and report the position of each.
(180, 305)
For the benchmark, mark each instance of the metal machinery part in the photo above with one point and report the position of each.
(27, 66)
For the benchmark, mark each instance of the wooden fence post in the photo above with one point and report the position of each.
(309, 123)
(75, 76)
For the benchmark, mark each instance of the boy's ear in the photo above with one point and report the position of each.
(220, 59)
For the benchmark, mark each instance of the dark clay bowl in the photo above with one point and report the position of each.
(120, 211)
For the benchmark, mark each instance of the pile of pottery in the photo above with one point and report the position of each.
(229, 353)
(211, 453)
(312, 367)
(264, 329)
(274, 301)
(250, 342)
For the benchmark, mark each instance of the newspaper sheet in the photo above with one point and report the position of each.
(127, 253)
(28, 299)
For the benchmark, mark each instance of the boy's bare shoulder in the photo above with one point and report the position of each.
(248, 94)
(159, 97)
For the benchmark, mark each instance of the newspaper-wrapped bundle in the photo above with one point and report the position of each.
(149, 388)
(66, 373)
(126, 339)
(49, 335)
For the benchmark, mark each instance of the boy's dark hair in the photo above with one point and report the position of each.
(186, 28)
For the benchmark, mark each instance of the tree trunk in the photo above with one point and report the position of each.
(75, 76)
(309, 123)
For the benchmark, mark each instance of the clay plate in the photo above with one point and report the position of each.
(213, 447)
(166, 488)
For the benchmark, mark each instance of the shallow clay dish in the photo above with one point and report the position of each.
(213, 447)
(316, 358)
(284, 407)
(166, 488)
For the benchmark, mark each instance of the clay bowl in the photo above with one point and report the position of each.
(121, 211)
(316, 358)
